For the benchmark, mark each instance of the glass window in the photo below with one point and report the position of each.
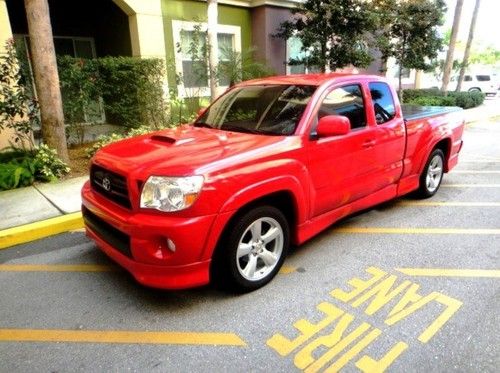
(346, 101)
(467, 78)
(269, 110)
(294, 46)
(483, 78)
(194, 71)
(383, 102)
(225, 44)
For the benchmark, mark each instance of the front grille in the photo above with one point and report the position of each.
(107, 232)
(110, 185)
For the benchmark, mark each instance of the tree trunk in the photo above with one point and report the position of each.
(451, 48)
(213, 48)
(465, 61)
(46, 76)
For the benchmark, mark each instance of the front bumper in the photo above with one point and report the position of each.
(138, 241)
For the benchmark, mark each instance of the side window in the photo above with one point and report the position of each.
(383, 102)
(346, 101)
(483, 78)
(467, 78)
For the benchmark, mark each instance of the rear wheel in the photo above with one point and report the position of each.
(431, 177)
(253, 251)
(475, 89)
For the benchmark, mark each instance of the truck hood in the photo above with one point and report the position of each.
(186, 150)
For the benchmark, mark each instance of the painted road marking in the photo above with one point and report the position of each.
(119, 336)
(451, 204)
(387, 230)
(449, 272)
(34, 231)
(476, 171)
(470, 185)
(57, 268)
(285, 270)
(339, 337)
(479, 161)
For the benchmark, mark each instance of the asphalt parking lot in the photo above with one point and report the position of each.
(409, 286)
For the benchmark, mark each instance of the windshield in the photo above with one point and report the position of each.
(266, 109)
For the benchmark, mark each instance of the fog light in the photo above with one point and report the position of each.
(171, 245)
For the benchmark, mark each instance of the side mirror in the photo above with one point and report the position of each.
(333, 125)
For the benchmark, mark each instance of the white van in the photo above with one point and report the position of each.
(481, 82)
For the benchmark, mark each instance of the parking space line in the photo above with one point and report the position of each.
(120, 336)
(285, 270)
(476, 171)
(387, 230)
(470, 185)
(451, 204)
(449, 272)
(57, 268)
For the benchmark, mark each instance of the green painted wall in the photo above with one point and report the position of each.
(196, 11)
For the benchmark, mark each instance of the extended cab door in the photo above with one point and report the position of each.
(390, 134)
(342, 168)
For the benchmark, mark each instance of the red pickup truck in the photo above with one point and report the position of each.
(270, 163)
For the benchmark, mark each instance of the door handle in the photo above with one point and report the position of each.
(369, 144)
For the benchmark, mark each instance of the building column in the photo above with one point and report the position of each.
(146, 27)
(7, 134)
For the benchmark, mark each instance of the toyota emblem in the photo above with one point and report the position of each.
(106, 184)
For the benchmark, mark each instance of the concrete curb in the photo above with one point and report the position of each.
(41, 229)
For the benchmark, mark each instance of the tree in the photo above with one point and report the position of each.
(46, 76)
(465, 61)
(409, 32)
(451, 46)
(212, 45)
(333, 33)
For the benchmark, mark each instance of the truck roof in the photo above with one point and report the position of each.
(306, 79)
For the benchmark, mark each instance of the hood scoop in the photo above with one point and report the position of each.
(164, 139)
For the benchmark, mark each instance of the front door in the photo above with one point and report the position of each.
(342, 167)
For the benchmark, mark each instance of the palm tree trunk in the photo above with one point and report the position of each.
(451, 48)
(46, 76)
(465, 61)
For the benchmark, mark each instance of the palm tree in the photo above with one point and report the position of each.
(465, 61)
(451, 48)
(46, 76)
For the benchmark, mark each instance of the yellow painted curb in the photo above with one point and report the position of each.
(34, 231)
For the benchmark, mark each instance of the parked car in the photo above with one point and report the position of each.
(484, 82)
(270, 163)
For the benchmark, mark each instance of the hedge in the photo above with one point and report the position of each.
(434, 97)
(131, 89)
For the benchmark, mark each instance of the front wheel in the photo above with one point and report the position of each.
(254, 249)
(431, 177)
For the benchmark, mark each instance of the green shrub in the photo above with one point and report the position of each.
(434, 97)
(20, 168)
(131, 89)
(108, 139)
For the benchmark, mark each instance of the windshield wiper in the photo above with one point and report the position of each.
(229, 127)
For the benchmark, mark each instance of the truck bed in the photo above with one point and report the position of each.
(413, 112)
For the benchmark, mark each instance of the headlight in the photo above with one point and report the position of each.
(170, 193)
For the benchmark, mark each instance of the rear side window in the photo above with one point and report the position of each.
(346, 101)
(483, 78)
(383, 102)
(467, 78)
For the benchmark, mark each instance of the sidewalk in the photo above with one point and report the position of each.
(43, 210)
(39, 211)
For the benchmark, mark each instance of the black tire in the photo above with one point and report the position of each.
(235, 274)
(432, 175)
(475, 89)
